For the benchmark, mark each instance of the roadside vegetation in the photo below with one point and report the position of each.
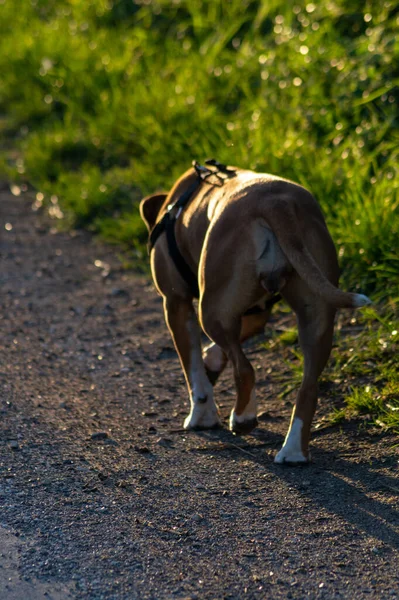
(104, 101)
(361, 379)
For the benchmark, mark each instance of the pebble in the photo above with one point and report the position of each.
(99, 435)
(142, 449)
(111, 442)
(119, 292)
(14, 445)
(197, 518)
(165, 442)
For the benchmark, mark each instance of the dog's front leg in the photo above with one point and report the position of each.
(183, 325)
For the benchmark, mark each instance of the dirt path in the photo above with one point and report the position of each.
(103, 495)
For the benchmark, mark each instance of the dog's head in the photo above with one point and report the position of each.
(150, 207)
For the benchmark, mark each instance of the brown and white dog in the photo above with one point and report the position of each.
(248, 236)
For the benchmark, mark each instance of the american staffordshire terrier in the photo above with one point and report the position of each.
(235, 239)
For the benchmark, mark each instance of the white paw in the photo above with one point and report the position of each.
(203, 416)
(292, 452)
(246, 421)
(290, 457)
(242, 423)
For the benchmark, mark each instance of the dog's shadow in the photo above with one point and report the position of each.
(338, 485)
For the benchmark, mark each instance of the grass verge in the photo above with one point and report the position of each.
(103, 102)
(361, 378)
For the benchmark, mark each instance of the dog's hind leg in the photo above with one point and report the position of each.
(315, 327)
(183, 325)
(215, 358)
(227, 338)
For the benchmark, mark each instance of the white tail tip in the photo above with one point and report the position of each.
(361, 300)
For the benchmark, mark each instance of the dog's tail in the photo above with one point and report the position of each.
(291, 243)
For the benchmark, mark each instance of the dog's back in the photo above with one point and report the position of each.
(275, 225)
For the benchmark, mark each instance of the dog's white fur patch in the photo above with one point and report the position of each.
(203, 416)
(361, 300)
(214, 357)
(249, 413)
(200, 385)
(202, 413)
(291, 452)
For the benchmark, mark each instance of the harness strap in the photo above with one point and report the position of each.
(185, 271)
(160, 227)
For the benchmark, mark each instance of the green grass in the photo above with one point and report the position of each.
(103, 102)
(363, 369)
(364, 365)
(108, 101)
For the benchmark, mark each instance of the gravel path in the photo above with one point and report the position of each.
(103, 495)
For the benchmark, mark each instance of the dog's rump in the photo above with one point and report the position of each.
(284, 219)
(294, 222)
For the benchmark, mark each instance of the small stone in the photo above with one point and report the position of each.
(99, 435)
(265, 416)
(165, 442)
(111, 442)
(115, 292)
(14, 445)
(142, 449)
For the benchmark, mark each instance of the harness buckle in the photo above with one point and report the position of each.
(220, 167)
(166, 223)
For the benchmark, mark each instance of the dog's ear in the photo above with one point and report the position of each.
(150, 207)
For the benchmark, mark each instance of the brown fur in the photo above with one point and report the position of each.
(255, 235)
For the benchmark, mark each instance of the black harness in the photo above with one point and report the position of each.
(167, 225)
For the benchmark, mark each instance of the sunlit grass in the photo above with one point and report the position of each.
(361, 379)
(381, 408)
(366, 367)
(122, 95)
